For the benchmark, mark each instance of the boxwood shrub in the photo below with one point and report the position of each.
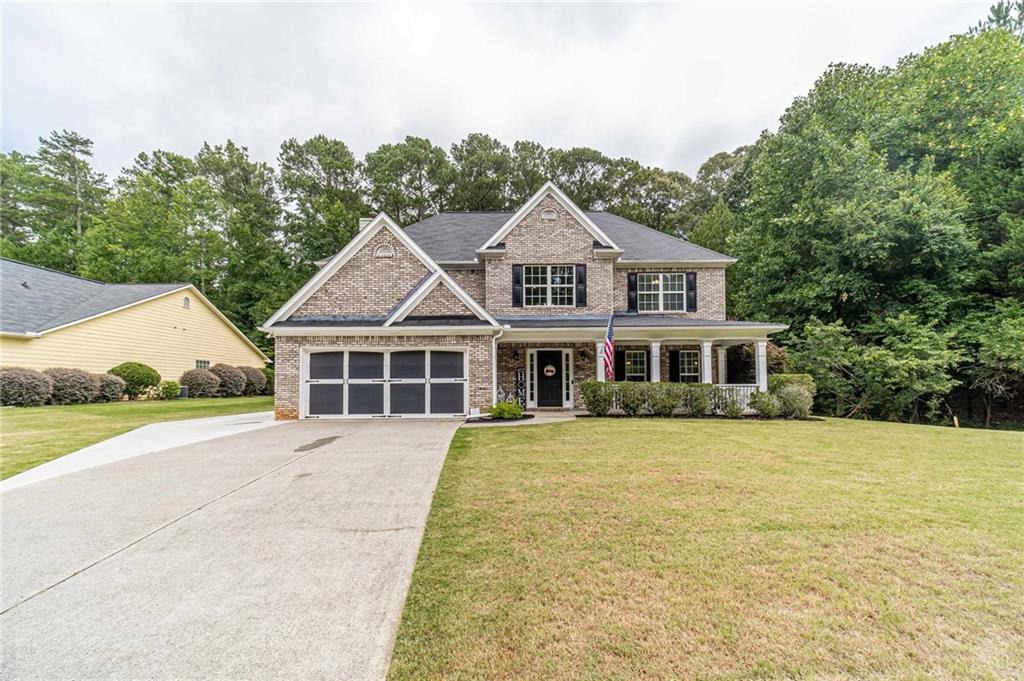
(138, 377)
(111, 388)
(765, 404)
(598, 396)
(232, 381)
(200, 383)
(506, 411)
(24, 387)
(777, 381)
(72, 386)
(255, 380)
(795, 401)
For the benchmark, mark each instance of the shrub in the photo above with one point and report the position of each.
(732, 409)
(232, 381)
(598, 397)
(255, 381)
(664, 398)
(111, 388)
(268, 389)
(795, 401)
(506, 411)
(72, 386)
(24, 387)
(168, 390)
(765, 404)
(200, 383)
(695, 398)
(137, 377)
(632, 397)
(777, 381)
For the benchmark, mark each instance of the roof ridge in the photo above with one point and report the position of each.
(50, 269)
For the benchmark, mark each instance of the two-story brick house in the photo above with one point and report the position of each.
(463, 309)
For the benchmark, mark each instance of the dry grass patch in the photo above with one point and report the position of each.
(618, 549)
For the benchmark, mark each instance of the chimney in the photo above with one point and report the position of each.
(363, 222)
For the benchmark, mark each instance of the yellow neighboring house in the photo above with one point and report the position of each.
(52, 319)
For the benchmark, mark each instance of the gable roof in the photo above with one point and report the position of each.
(382, 221)
(421, 290)
(455, 238)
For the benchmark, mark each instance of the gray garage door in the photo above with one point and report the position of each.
(389, 383)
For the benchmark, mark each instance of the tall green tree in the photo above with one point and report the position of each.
(583, 174)
(410, 181)
(482, 169)
(528, 172)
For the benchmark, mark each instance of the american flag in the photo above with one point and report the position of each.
(609, 349)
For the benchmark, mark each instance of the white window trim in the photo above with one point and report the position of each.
(625, 358)
(660, 292)
(305, 381)
(567, 372)
(679, 365)
(548, 286)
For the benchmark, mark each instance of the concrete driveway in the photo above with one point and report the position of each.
(283, 553)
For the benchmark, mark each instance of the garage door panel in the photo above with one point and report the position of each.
(409, 364)
(445, 364)
(365, 365)
(327, 365)
(447, 398)
(366, 398)
(326, 398)
(408, 398)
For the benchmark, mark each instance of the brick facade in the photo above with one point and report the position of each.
(562, 241)
(287, 358)
(368, 284)
(440, 301)
(474, 282)
(710, 290)
(513, 356)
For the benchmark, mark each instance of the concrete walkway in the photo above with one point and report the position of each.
(144, 440)
(284, 553)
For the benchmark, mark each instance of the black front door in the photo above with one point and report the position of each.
(549, 378)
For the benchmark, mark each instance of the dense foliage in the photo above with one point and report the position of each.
(111, 388)
(232, 381)
(255, 380)
(24, 387)
(72, 386)
(168, 390)
(138, 377)
(200, 383)
(887, 209)
(506, 411)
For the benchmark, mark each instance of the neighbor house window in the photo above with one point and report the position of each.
(549, 285)
(662, 292)
(202, 364)
(689, 366)
(186, 302)
(636, 365)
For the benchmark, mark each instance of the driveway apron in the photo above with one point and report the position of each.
(283, 553)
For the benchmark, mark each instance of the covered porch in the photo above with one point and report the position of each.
(541, 366)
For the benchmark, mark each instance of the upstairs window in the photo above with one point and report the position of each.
(661, 292)
(549, 285)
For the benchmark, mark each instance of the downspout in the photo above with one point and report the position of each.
(494, 365)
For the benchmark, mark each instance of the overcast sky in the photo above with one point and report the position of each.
(667, 85)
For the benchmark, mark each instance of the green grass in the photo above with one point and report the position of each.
(710, 549)
(35, 435)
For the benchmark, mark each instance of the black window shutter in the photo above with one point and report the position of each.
(673, 366)
(691, 291)
(647, 366)
(517, 285)
(581, 285)
(631, 291)
(620, 365)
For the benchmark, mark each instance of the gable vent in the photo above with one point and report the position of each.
(548, 215)
(384, 251)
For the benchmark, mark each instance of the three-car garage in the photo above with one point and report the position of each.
(374, 382)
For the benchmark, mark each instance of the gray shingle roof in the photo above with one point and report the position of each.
(36, 299)
(454, 237)
(622, 319)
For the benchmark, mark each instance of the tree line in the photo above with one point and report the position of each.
(883, 219)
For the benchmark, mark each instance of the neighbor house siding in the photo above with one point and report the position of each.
(710, 290)
(161, 333)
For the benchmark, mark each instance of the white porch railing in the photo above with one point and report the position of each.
(740, 392)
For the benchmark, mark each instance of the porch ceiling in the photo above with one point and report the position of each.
(634, 327)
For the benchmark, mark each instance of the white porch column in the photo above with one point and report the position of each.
(655, 361)
(761, 365)
(705, 361)
(723, 368)
(599, 355)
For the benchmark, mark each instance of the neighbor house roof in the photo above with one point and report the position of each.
(36, 298)
(455, 237)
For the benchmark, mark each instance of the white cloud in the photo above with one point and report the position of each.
(665, 84)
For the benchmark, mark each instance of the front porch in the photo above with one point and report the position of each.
(548, 374)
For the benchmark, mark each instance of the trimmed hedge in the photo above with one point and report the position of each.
(268, 389)
(232, 381)
(24, 387)
(137, 377)
(72, 386)
(636, 398)
(255, 380)
(765, 404)
(200, 383)
(506, 411)
(777, 381)
(111, 388)
(168, 390)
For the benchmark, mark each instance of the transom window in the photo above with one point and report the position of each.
(662, 292)
(552, 285)
(202, 364)
(689, 366)
(636, 365)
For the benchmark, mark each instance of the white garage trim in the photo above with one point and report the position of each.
(305, 381)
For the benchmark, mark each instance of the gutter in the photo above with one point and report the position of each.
(494, 364)
(19, 334)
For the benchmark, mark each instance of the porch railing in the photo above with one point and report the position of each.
(740, 392)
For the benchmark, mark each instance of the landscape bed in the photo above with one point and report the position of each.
(34, 435)
(618, 549)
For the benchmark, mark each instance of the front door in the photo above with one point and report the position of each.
(549, 378)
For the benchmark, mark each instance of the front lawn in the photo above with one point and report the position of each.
(711, 549)
(35, 435)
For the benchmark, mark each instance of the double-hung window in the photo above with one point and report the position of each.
(689, 366)
(549, 285)
(661, 292)
(636, 365)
